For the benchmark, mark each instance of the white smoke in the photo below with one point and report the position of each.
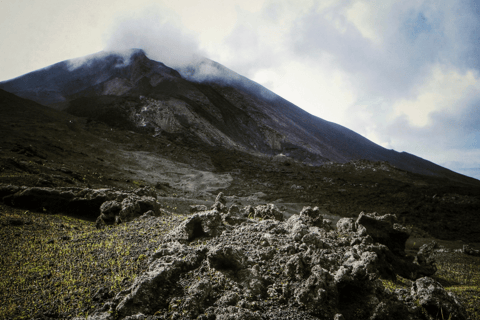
(76, 63)
(161, 39)
(165, 41)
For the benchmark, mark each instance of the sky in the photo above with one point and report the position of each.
(404, 74)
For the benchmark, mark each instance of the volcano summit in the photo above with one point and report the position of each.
(223, 110)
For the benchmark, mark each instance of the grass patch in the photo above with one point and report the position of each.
(458, 273)
(53, 265)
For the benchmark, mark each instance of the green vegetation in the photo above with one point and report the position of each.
(458, 273)
(54, 265)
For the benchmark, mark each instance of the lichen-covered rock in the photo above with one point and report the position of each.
(90, 203)
(134, 206)
(381, 229)
(198, 208)
(150, 291)
(145, 192)
(233, 216)
(220, 203)
(272, 269)
(204, 224)
(130, 207)
(269, 211)
(110, 209)
(315, 217)
(226, 258)
(470, 251)
(426, 260)
(346, 225)
(437, 302)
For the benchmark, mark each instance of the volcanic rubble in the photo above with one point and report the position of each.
(253, 263)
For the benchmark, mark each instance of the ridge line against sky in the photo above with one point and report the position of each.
(404, 74)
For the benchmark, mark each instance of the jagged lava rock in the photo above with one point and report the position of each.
(112, 205)
(268, 211)
(203, 224)
(272, 269)
(436, 301)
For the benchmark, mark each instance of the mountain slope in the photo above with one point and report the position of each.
(216, 107)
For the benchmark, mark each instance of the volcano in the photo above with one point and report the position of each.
(203, 103)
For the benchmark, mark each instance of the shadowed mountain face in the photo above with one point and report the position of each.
(225, 110)
(131, 121)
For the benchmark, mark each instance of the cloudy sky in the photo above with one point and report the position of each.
(404, 74)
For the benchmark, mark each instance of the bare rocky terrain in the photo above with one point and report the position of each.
(220, 225)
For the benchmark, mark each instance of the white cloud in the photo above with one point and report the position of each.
(362, 16)
(158, 34)
(328, 97)
(444, 91)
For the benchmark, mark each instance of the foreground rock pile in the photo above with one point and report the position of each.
(209, 268)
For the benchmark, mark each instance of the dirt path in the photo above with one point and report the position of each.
(152, 169)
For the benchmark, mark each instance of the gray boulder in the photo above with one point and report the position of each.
(437, 302)
(220, 203)
(470, 251)
(426, 260)
(84, 201)
(151, 290)
(204, 224)
(382, 230)
(233, 216)
(315, 217)
(130, 207)
(269, 211)
(198, 208)
(346, 225)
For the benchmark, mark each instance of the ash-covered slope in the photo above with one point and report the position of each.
(70, 79)
(204, 103)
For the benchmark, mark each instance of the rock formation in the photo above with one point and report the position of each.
(273, 269)
(107, 205)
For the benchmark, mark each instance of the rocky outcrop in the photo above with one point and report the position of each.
(220, 203)
(131, 207)
(390, 238)
(315, 217)
(425, 259)
(437, 302)
(470, 251)
(271, 269)
(198, 208)
(203, 224)
(234, 216)
(108, 205)
(268, 211)
(383, 230)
